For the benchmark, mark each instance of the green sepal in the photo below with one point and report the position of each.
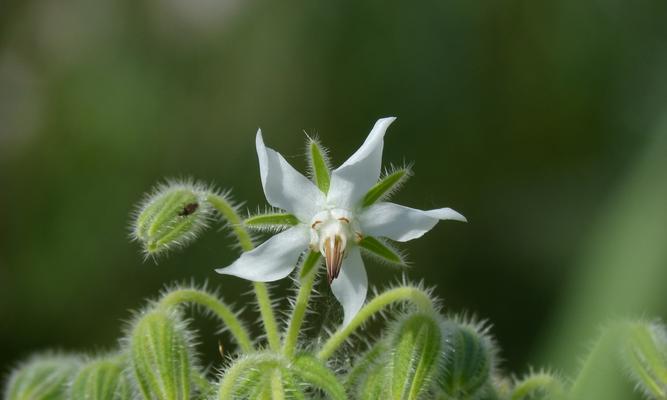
(416, 344)
(42, 378)
(271, 220)
(101, 379)
(161, 356)
(319, 165)
(386, 186)
(380, 249)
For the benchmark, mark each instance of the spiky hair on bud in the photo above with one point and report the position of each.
(171, 216)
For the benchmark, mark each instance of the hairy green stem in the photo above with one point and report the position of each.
(277, 390)
(261, 291)
(220, 309)
(417, 296)
(308, 274)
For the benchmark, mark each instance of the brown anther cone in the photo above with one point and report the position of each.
(333, 256)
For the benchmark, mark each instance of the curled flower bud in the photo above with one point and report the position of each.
(172, 216)
(161, 356)
(101, 379)
(42, 378)
(469, 358)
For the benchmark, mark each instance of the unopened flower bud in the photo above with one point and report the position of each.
(101, 379)
(161, 356)
(469, 358)
(172, 216)
(42, 378)
(416, 345)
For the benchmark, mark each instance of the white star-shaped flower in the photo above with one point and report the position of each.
(336, 217)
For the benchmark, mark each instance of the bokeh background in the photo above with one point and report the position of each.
(544, 122)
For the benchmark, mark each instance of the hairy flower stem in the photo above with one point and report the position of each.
(220, 309)
(261, 292)
(308, 274)
(277, 390)
(416, 296)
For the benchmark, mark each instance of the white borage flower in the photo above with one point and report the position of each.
(336, 215)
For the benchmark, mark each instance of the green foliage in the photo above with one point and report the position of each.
(419, 355)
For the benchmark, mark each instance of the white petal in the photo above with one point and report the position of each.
(284, 187)
(351, 286)
(351, 181)
(401, 223)
(273, 259)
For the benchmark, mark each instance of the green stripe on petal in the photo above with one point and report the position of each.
(382, 250)
(271, 219)
(319, 165)
(386, 186)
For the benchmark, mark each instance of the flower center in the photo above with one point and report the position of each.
(331, 231)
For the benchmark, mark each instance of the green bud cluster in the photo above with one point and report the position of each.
(419, 355)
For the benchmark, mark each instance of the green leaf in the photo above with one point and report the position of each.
(319, 165)
(271, 219)
(386, 186)
(382, 250)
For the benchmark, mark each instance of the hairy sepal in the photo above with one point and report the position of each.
(389, 184)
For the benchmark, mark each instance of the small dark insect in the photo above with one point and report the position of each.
(188, 209)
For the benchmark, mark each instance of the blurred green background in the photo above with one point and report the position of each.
(541, 121)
